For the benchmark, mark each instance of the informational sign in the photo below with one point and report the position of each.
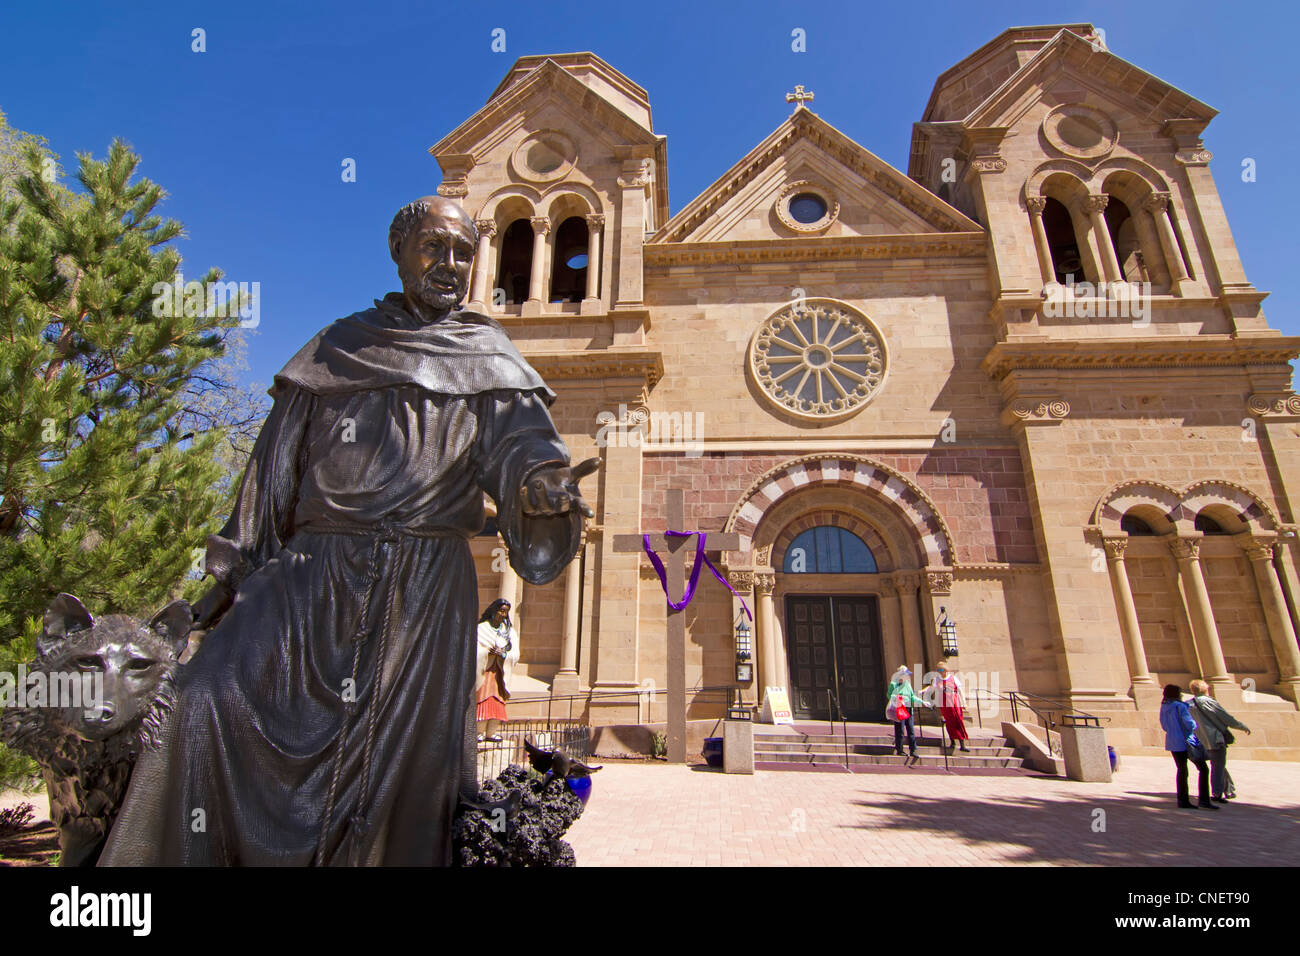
(776, 706)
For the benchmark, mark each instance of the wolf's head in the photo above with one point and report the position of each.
(134, 661)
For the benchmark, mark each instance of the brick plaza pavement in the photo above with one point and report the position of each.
(658, 815)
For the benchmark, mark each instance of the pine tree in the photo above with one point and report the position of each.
(103, 493)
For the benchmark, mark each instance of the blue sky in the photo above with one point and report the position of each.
(248, 138)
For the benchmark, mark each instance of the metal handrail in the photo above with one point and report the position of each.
(830, 696)
(1062, 714)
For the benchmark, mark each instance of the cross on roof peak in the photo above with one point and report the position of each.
(799, 97)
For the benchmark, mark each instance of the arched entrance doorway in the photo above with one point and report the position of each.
(832, 625)
(850, 562)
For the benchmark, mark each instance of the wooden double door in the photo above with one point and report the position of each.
(833, 641)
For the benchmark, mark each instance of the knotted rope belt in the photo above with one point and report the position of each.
(382, 533)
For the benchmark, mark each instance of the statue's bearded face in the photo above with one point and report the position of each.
(434, 260)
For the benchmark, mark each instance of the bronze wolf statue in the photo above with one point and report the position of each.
(86, 755)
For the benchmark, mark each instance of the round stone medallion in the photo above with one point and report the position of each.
(819, 359)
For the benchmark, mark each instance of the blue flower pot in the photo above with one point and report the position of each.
(581, 787)
(712, 751)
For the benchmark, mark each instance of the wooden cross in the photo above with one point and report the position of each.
(675, 568)
(799, 97)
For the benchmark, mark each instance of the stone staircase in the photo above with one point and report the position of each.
(871, 749)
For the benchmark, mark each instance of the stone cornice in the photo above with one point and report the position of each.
(599, 363)
(804, 248)
(989, 570)
(1166, 351)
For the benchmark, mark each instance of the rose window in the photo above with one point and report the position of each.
(819, 358)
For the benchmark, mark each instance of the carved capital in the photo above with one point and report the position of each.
(1194, 157)
(1185, 549)
(596, 221)
(1156, 203)
(486, 227)
(1115, 548)
(888, 585)
(1036, 205)
(636, 174)
(1095, 203)
(1281, 404)
(1260, 548)
(907, 581)
(741, 580)
(938, 582)
(764, 582)
(541, 225)
(453, 189)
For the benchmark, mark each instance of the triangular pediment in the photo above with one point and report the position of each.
(546, 92)
(1090, 65)
(548, 81)
(874, 198)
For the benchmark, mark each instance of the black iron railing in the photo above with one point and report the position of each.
(505, 746)
(1051, 713)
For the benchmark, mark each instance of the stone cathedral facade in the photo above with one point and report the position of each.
(1027, 382)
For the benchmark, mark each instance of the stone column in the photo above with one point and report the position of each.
(631, 231)
(769, 669)
(487, 228)
(1259, 549)
(1187, 552)
(1046, 269)
(1157, 204)
(595, 223)
(891, 625)
(537, 281)
(1093, 207)
(1128, 618)
(909, 585)
(566, 679)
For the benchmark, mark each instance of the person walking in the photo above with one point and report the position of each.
(946, 690)
(1180, 740)
(901, 702)
(1212, 723)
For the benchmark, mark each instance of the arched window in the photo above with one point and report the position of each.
(1062, 242)
(1124, 237)
(1135, 526)
(828, 550)
(569, 265)
(516, 260)
(1207, 525)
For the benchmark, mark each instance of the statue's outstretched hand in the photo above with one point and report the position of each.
(553, 489)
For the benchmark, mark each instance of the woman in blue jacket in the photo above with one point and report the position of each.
(1180, 740)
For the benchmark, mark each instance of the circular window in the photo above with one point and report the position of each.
(805, 207)
(819, 358)
(1080, 131)
(544, 156)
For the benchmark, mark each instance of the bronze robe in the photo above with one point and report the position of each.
(328, 718)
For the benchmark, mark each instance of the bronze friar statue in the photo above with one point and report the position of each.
(328, 717)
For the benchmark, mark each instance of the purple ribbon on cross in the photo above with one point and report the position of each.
(700, 559)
